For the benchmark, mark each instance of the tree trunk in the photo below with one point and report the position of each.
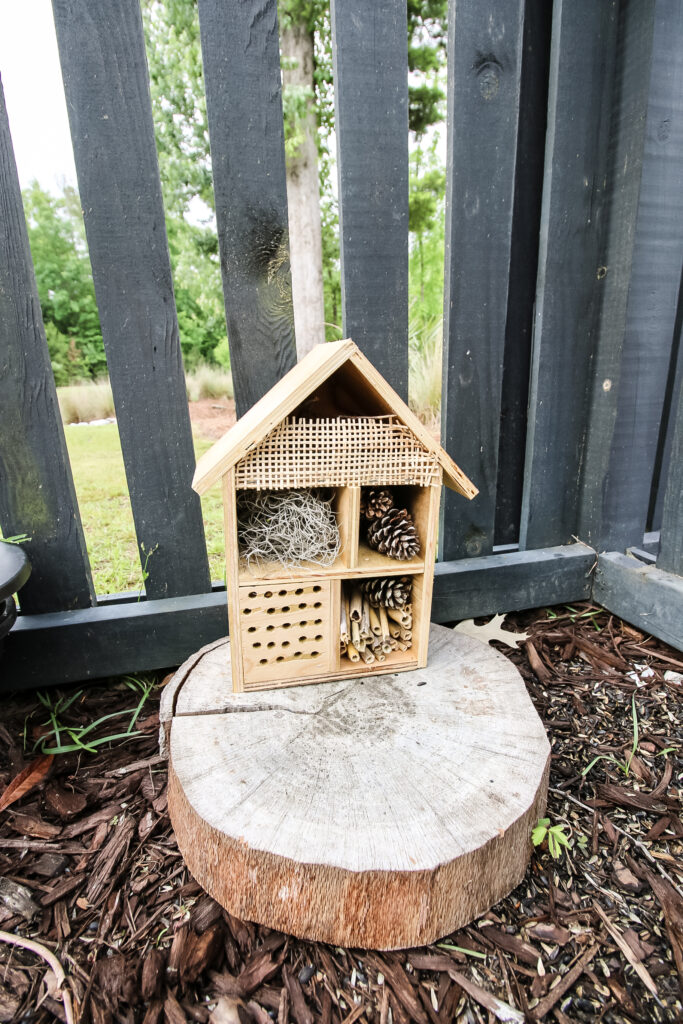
(303, 200)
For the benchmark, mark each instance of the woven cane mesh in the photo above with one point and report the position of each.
(358, 450)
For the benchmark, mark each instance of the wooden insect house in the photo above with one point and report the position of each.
(331, 490)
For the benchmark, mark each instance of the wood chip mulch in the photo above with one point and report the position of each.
(89, 868)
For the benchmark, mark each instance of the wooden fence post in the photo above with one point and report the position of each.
(241, 59)
(37, 494)
(484, 74)
(104, 67)
(370, 49)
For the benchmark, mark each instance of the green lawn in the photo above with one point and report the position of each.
(100, 481)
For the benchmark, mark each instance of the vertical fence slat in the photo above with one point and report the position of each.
(484, 72)
(579, 107)
(241, 55)
(611, 469)
(652, 305)
(104, 68)
(37, 494)
(370, 50)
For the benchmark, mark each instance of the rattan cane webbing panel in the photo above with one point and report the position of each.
(363, 450)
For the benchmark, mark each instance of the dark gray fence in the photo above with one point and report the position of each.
(562, 356)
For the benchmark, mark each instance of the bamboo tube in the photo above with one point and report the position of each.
(406, 634)
(342, 650)
(401, 646)
(347, 611)
(399, 615)
(362, 644)
(384, 622)
(380, 656)
(356, 605)
(374, 620)
(368, 657)
(365, 620)
(394, 629)
(343, 624)
(352, 654)
(386, 647)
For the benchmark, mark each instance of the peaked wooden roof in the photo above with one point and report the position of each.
(291, 391)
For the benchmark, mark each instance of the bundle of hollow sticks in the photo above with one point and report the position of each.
(369, 633)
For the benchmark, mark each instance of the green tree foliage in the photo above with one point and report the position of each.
(65, 287)
(426, 223)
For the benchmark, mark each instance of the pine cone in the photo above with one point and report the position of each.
(388, 591)
(374, 504)
(394, 534)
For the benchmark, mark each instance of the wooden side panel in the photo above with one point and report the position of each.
(37, 494)
(104, 68)
(423, 586)
(244, 104)
(484, 71)
(232, 578)
(671, 543)
(569, 278)
(653, 294)
(613, 470)
(371, 96)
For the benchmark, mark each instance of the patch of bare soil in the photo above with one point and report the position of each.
(90, 870)
(211, 417)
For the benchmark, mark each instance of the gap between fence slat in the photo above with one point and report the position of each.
(37, 495)
(104, 67)
(370, 51)
(241, 59)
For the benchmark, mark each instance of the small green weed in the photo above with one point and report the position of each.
(64, 739)
(554, 834)
(574, 615)
(624, 766)
(19, 538)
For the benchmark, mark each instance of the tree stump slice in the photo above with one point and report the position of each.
(382, 812)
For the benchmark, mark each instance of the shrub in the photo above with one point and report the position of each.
(207, 381)
(80, 403)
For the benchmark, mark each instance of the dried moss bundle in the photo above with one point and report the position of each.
(290, 527)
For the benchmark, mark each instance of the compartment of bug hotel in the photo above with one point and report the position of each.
(282, 532)
(392, 528)
(376, 622)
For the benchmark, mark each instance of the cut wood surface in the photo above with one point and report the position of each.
(381, 812)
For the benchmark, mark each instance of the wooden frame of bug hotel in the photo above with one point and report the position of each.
(333, 459)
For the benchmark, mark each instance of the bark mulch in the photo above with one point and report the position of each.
(90, 869)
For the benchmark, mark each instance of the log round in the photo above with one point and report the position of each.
(382, 812)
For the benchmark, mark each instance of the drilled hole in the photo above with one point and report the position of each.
(317, 590)
(314, 654)
(270, 611)
(263, 661)
(285, 643)
(285, 609)
(316, 622)
(270, 628)
(282, 593)
(271, 643)
(299, 590)
(303, 622)
(286, 625)
(318, 637)
(252, 629)
(247, 611)
(279, 658)
(256, 644)
(302, 639)
(268, 593)
(297, 654)
(302, 605)
(318, 604)
(253, 593)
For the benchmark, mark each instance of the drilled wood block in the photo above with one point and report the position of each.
(381, 812)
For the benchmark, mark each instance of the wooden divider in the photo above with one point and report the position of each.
(370, 49)
(37, 494)
(580, 99)
(244, 104)
(104, 68)
(484, 73)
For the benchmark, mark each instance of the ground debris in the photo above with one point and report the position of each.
(595, 935)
